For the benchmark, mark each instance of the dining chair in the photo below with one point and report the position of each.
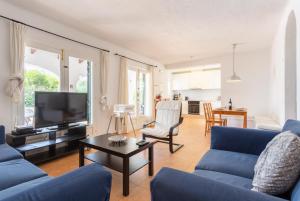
(210, 119)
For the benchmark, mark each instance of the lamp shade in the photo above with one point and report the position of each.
(234, 78)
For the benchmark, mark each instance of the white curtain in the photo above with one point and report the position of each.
(150, 93)
(104, 56)
(15, 83)
(123, 82)
(17, 49)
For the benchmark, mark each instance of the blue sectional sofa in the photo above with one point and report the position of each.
(22, 181)
(225, 172)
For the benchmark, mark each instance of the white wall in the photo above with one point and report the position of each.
(36, 37)
(277, 87)
(253, 67)
(162, 79)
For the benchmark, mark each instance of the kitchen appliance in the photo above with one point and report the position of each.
(194, 107)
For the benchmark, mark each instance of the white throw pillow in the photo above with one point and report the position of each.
(278, 166)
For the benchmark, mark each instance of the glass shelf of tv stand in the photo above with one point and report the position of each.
(56, 128)
(38, 145)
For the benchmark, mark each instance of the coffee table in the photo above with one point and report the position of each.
(121, 158)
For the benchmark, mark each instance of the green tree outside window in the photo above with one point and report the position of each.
(37, 80)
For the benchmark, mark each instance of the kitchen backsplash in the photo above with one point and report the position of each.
(208, 94)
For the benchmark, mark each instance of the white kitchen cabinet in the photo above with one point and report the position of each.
(209, 79)
(185, 107)
(180, 81)
(196, 80)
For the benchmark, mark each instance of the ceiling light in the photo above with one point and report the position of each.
(234, 77)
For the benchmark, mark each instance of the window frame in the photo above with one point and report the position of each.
(64, 75)
(138, 70)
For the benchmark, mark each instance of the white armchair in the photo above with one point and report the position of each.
(168, 119)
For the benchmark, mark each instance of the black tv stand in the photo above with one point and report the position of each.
(48, 143)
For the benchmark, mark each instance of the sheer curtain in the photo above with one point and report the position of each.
(150, 94)
(104, 56)
(123, 82)
(15, 83)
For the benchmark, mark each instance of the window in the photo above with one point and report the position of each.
(44, 71)
(80, 78)
(41, 73)
(139, 90)
(142, 93)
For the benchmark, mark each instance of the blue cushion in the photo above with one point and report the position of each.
(18, 171)
(234, 163)
(240, 182)
(8, 153)
(296, 192)
(292, 125)
(23, 187)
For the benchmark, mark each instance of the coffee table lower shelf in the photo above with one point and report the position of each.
(136, 162)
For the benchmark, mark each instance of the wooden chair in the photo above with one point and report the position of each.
(210, 118)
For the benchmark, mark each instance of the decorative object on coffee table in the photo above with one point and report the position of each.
(117, 139)
(124, 159)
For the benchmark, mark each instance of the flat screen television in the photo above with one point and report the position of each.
(59, 108)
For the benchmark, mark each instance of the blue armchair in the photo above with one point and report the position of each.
(225, 172)
(22, 181)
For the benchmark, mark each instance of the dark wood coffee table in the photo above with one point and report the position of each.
(122, 158)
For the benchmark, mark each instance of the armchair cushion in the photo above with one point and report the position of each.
(23, 187)
(168, 114)
(233, 180)
(228, 162)
(18, 171)
(8, 153)
(292, 125)
(249, 141)
(88, 183)
(156, 131)
(174, 185)
(296, 192)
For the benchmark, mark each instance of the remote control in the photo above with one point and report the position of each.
(142, 143)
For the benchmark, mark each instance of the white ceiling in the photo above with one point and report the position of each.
(169, 31)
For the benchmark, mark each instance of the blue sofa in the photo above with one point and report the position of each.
(22, 181)
(225, 172)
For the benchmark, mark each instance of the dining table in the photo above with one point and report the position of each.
(234, 112)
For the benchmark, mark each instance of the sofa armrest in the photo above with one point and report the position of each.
(2, 134)
(89, 183)
(174, 185)
(249, 141)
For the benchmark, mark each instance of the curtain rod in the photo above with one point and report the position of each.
(134, 60)
(48, 32)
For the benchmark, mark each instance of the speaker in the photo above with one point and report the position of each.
(78, 130)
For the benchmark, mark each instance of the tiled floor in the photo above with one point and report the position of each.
(195, 145)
